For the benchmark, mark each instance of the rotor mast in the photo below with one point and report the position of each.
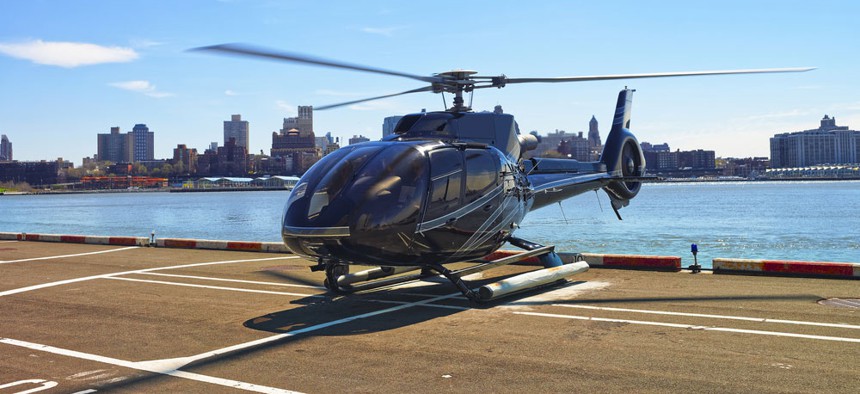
(456, 82)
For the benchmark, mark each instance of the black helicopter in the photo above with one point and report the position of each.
(448, 186)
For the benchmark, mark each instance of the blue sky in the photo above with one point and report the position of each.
(72, 69)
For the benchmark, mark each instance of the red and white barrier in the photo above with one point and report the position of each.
(787, 268)
(651, 263)
(79, 239)
(9, 236)
(272, 247)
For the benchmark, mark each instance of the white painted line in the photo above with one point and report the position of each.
(88, 391)
(7, 242)
(278, 337)
(753, 319)
(692, 327)
(140, 271)
(69, 255)
(143, 367)
(238, 281)
(216, 287)
(459, 308)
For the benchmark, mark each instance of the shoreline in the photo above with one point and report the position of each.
(256, 189)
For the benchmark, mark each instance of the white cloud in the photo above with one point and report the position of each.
(141, 87)
(144, 43)
(229, 92)
(337, 93)
(382, 31)
(67, 54)
(283, 105)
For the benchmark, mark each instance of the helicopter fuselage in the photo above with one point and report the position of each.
(407, 202)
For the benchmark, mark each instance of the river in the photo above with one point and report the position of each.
(818, 221)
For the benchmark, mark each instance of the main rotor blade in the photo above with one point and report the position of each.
(330, 106)
(656, 75)
(248, 50)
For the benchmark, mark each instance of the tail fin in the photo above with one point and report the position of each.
(622, 154)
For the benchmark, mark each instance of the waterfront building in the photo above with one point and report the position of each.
(296, 142)
(828, 144)
(36, 173)
(186, 158)
(113, 147)
(574, 146)
(304, 122)
(357, 139)
(237, 129)
(5, 149)
(143, 143)
(750, 167)
(388, 125)
(697, 159)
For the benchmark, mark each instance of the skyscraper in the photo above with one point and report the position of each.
(5, 149)
(593, 133)
(142, 143)
(237, 129)
(114, 147)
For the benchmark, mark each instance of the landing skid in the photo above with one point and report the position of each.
(340, 281)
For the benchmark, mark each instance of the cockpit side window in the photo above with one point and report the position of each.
(482, 173)
(446, 175)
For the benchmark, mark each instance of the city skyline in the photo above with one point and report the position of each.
(74, 70)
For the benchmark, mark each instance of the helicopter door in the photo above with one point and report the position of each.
(446, 176)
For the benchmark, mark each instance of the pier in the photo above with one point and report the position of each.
(82, 317)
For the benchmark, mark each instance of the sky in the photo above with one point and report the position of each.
(70, 70)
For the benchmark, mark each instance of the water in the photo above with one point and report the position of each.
(817, 221)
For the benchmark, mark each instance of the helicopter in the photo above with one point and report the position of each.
(447, 186)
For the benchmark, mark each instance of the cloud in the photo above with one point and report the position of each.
(141, 87)
(67, 54)
(283, 105)
(229, 92)
(382, 31)
(337, 93)
(145, 43)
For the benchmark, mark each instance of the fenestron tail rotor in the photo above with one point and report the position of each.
(457, 81)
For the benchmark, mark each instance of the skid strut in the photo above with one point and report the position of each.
(339, 280)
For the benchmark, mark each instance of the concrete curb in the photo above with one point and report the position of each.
(812, 269)
(637, 262)
(184, 243)
(241, 246)
(78, 239)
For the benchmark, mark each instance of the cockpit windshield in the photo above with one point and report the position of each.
(371, 186)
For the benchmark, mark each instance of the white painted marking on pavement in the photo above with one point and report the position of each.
(140, 271)
(7, 242)
(277, 337)
(753, 319)
(217, 287)
(693, 327)
(143, 367)
(88, 391)
(70, 255)
(43, 385)
(238, 281)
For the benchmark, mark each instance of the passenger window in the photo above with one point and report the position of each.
(446, 174)
(482, 173)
